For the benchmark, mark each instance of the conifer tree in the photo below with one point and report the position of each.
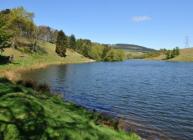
(61, 44)
(72, 42)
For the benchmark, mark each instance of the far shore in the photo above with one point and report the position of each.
(15, 74)
(186, 55)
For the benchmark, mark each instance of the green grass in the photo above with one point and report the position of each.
(46, 56)
(28, 114)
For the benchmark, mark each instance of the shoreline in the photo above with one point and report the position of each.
(160, 60)
(145, 131)
(49, 108)
(15, 74)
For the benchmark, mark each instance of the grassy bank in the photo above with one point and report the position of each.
(186, 55)
(36, 114)
(25, 61)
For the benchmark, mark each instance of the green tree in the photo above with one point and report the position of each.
(120, 55)
(72, 42)
(4, 36)
(172, 53)
(168, 54)
(21, 22)
(177, 51)
(61, 44)
(83, 46)
(4, 40)
(112, 56)
(96, 52)
(18, 23)
(106, 50)
(99, 52)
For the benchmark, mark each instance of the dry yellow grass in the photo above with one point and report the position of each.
(186, 55)
(160, 57)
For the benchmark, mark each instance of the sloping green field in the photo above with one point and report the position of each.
(28, 114)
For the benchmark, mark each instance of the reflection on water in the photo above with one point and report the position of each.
(154, 97)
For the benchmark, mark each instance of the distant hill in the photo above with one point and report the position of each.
(132, 47)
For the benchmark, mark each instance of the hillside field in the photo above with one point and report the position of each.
(25, 61)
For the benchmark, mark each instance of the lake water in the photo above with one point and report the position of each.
(156, 98)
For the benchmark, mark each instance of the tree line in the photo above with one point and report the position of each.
(96, 51)
(18, 30)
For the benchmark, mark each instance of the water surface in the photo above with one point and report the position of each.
(156, 97)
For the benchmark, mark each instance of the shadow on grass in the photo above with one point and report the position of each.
(29, 127)
(29, 120)
(30, 115)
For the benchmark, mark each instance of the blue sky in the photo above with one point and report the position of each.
(151, 23)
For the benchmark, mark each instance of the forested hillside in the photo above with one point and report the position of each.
(18, 31)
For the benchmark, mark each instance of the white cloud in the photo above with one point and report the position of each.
(141, 18)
